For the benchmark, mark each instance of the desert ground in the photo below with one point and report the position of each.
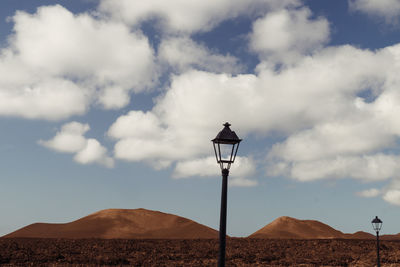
(194, 252)
(140, 237)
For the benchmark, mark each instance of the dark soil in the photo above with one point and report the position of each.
(240, 252)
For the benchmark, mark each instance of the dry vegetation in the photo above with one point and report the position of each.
(201, 252)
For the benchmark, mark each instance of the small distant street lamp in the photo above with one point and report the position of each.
(226, 145)
(377, 225)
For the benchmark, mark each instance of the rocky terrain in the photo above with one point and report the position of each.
(195, 252)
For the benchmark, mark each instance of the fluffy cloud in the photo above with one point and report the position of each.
(114, 97)
(386, 9)
(334, 108)
(70, 139)
(373, 192)
(94, 152)
(352, 142)
(243, 167)
(240, 172)
(368, 168)
(337, 107)
(56, 64)
(285, 35)
(164, 134)
(142, 137)
(391, 193)
(183, 53)
(187, 16)
(50, 99)
(392, 196)
(242, 182)
(262, 103)
(330, 139)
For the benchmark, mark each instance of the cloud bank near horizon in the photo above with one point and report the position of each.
(334, 107)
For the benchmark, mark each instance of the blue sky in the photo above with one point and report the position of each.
(112, 104)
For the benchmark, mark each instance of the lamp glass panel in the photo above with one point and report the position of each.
(226, 152)
(377, 226)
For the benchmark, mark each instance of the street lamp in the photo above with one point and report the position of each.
(226, 145)
(377, 225)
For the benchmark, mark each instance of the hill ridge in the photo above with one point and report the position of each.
(286, 227)
(120, 224)
(114, 223)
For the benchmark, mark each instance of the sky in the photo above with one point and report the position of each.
(113, 103)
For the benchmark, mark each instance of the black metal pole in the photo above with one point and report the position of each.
(377, 250)
(222, 222)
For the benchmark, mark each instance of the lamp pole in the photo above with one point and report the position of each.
(226, 145)
(378, 260)
(222, 220)
(377, 225)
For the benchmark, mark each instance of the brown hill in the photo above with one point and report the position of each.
(291, 228)
(359, 235)
(122, 224)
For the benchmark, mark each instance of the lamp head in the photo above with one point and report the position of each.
(226, 145)
(376, 224)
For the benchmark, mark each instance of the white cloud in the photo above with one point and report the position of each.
(239, 174)
(136, 124)
(392, 196)
(141, 137)
(241, 182)
(352, 137)
(94, 152)
(353, 141)
(202, 167)
(319, 90)
(57, 63)
(70, 139)
(114, 97)
(368, 168)
(187, 16)
(164, 134)
(337, 107)
(51, 99)
(386, 9)
(82, 47)
(286, 35)
(183, 53)
(391, 193)
(373, 192)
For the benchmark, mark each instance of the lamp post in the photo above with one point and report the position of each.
(377, 225)
(226, 145)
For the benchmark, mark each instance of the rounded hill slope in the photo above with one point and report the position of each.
(121, 224)
(291, 228)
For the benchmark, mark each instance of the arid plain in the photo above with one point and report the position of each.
(140, 237)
